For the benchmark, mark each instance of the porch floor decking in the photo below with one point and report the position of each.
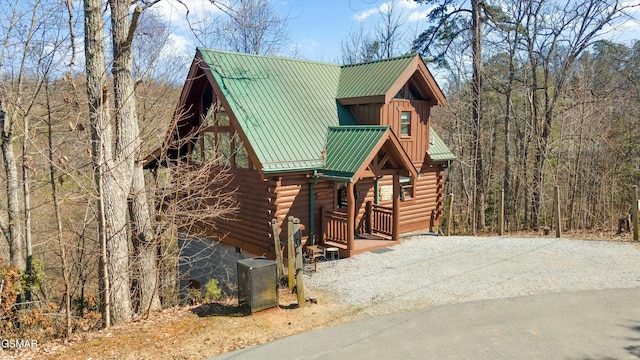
(361, 245)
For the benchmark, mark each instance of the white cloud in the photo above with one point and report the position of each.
(181, 44)
(363, 15)
(409, 8)
(418, 15)
(195, 11)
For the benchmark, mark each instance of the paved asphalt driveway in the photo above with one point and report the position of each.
(587, 325)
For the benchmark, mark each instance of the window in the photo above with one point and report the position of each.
(342, 195)
(406, 188)
(208, 119)
(196, 151)
(240, 153)
(224, 149)
(223, 118)
(216, 141)
(209, 146)
(405, 123)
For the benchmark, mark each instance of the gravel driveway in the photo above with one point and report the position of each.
(425, 271)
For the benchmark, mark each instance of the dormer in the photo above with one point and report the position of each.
(381, 81)
(398, 92)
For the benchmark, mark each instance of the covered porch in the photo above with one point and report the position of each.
(363, 153)
(379, 230)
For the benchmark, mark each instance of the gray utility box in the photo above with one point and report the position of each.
(257, 283)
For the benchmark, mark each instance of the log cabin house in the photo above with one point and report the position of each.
(348, 150)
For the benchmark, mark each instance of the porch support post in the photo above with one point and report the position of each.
(351, 216)
(395, 227)
(369, 214)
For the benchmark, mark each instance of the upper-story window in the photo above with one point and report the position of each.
(405, 123)
(217, 141)
(409, 91)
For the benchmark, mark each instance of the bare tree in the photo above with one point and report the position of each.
(32, 40)
(386, 39)
(66, 268)
(358, 46)
(190, 197)
(111, 199)
(561, 34)
(119, 175)
(391, 31)
(451, 19)
(251, 26)
(12, 228)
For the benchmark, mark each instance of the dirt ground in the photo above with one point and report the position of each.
(195, 332)
(207, 330)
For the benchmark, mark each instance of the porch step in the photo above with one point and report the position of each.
(361, 246)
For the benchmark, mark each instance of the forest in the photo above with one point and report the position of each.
(537, 97)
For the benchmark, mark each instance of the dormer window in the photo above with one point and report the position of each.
(405, 123)
(409, 91)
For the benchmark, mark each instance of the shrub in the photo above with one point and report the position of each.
(212, 291)
(9, 288)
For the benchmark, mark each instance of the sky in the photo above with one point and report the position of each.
(316, 27)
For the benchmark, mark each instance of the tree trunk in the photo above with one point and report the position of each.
(476, 39)
(128, 147)
(109, 177)
(66, 270)
(26, 196)
(145, 246)
(16, 247)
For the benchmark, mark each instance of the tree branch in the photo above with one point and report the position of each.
(133, 25)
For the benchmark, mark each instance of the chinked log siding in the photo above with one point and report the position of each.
(251, 227)
(424, 209)
(261, 200)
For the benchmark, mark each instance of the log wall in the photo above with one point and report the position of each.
(261, 200)
(251, 229)
(421, 212)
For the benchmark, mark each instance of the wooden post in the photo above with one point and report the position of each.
(395, 227)
(501, 217)
(556, 210)
(291, 267)
(449, 214)
(369, 217)
(634, 212)
(351, 217)
(322, 226)
(278, 249)
(297, 240)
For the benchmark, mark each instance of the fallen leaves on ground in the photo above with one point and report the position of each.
(196, 332)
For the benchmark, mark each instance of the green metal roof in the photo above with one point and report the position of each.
(373, 78)
(284, 106)
(348, 147)
(438, 150)
(289, 112)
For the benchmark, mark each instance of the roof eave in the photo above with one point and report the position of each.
(417, 65)
(362, 100)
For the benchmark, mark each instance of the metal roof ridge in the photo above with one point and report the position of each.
(275, 57)
(400, 57)
(359, 127)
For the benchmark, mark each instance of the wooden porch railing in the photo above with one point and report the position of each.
(380, 219)
(334, 225)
